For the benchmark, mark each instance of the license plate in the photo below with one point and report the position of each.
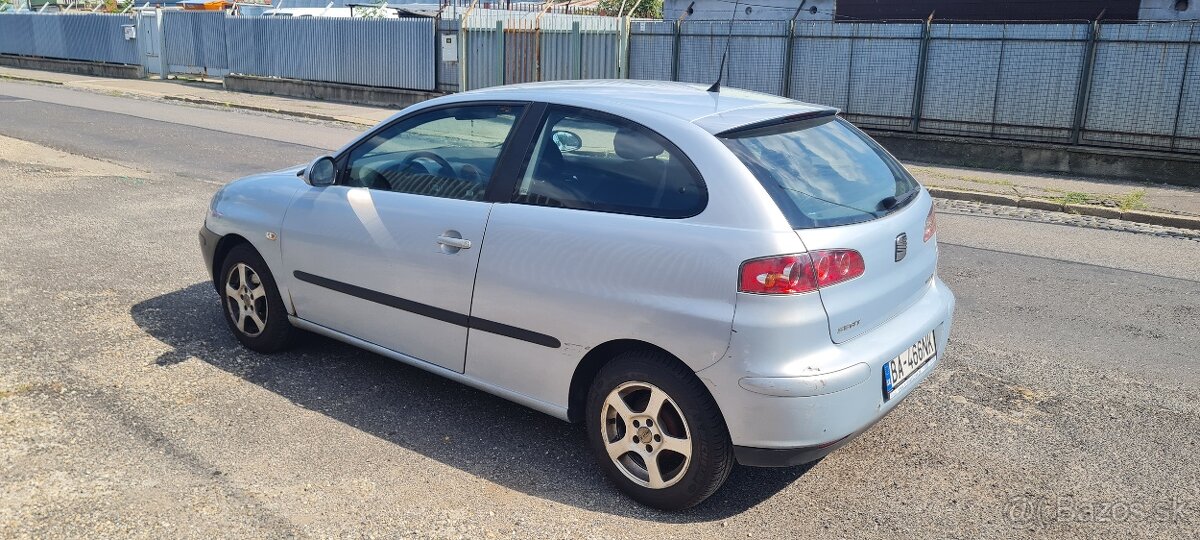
(901, 368)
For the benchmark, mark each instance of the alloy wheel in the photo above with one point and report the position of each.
(245, 299)
(646, 435)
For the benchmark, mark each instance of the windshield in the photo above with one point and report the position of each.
(824, 172)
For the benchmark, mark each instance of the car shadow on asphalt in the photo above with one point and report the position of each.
(468, 429)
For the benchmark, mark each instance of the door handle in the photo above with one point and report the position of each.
(457, 243)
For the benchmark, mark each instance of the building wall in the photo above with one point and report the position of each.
(1167, 10)
(773, 10)
(988, 10)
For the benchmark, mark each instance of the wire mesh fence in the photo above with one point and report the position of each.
(1131, 85)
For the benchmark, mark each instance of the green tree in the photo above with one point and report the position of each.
(645, 9)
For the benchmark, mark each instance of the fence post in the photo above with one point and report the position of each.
(623, 49)
(787, 59)
(999, 72)
(437, 53)
(462, 55)
(577, 49)
(675, 51)
(919, 82)
(1083, 92)
(164, 67)
(1187, 59)
(500, 75)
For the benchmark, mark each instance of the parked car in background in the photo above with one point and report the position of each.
(701, 278)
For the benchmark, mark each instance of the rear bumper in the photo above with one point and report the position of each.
(805, 402)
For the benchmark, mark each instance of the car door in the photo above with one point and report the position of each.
(388, 253)
(597, 246)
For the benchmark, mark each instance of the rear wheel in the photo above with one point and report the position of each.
(656, 431)
(252, 305)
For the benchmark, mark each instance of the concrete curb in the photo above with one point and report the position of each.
(1138, 216)
(215, 103)
(28, 79)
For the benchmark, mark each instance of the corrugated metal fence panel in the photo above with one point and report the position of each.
(1137, 83)
(651, 50)
(16, 34)
(447, 73)
(371, 52)
(538, 47)
(90, 37)
(600, 51)
(560, 54)
(483, 47)
(195, 40)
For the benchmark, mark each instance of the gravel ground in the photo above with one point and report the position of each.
(1060, 218)
(1064, 406)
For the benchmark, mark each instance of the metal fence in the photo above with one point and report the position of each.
(1131, 85)
(88, 37)
(195, 42)
(395, 53)
(506, 47)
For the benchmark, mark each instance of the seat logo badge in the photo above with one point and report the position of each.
(901, 246)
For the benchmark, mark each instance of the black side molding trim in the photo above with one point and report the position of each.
(432, 312)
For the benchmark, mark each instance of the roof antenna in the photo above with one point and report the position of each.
(716, 87)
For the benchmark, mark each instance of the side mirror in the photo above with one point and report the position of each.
(566, 141)
(320, 172)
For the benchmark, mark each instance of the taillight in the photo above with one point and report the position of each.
(930, 224)
(801, 273)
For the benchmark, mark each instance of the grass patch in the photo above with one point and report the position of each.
(1073, 197)
(1133, 200)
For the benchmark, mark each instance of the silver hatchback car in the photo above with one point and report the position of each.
(699, 277)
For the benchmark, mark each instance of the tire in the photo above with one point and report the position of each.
(688, 441)
(247, 281)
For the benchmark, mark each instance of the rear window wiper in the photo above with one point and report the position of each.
(888, 203)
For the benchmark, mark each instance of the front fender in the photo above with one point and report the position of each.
(253, 208)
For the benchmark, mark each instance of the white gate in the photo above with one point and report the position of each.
(149, 38)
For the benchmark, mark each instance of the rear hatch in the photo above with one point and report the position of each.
(840, 190)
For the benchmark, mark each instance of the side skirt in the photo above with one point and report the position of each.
(522, 399)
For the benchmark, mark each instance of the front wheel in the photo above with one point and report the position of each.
(252, 305)
(656, 431)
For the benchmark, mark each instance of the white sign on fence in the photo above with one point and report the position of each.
(449, 47)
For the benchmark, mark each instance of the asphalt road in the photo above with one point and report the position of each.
(1064, 406)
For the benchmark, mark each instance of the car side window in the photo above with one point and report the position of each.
(594, 161)
(449, 153)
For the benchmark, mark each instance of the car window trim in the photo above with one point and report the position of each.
(512, 158)
(527, 157)
(343, 157)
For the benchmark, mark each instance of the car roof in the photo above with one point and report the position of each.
(642, 101)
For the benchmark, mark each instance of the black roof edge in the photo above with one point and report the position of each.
(742, 131)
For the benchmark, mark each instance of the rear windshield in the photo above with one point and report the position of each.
(823, 172)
